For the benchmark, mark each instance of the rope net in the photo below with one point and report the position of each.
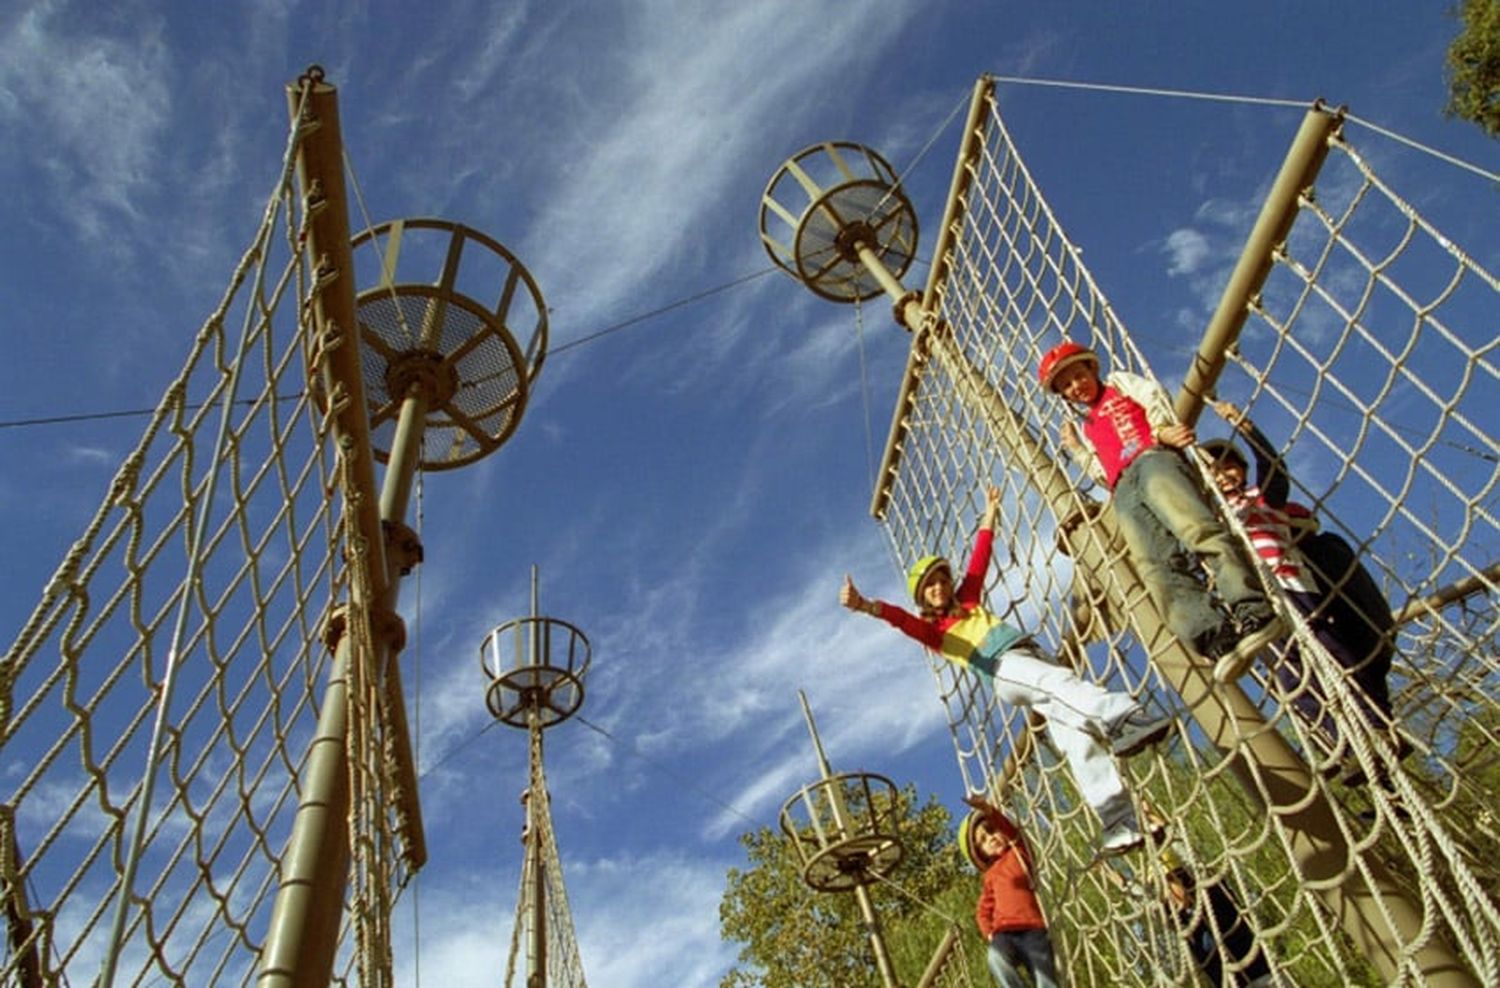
(1365, 358)
(205, 579)
(548, 904)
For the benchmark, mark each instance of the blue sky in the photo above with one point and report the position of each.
(693, 486)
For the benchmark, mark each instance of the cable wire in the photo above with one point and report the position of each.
(1245, 100)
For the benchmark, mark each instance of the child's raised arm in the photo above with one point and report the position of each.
(1270, 472)
(991, 507)
(1230, 412)
(851, 598)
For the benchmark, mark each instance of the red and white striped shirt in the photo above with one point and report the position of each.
(1271, 535)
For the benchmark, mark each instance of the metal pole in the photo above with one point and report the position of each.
(1480, 582)
(1264, 762)
(20, 934)
(538, 974)
(302, 939)
(300, 944)
(939, 959)
(1298, 171)
(841, 821)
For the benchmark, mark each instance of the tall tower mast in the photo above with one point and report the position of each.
(843, 828)
(835, 217)
(421, 374)
(535, 666)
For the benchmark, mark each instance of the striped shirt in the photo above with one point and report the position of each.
(1271, 535)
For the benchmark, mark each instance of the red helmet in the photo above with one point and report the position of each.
(1064, 355)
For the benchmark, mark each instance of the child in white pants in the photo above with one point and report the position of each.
(1088, 724)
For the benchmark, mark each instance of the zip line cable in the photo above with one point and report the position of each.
(755, 275)
(1247, 100)
(625, 743)
(634, 749)
(653, 313)
(590, 338)
(623, 324)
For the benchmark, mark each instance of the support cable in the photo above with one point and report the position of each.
(1251, 101)
(864, 389)
(676, 776)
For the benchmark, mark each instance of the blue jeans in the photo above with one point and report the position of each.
(1031, 949)
(1168, 526)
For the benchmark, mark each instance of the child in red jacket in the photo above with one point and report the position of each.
(1009, 916)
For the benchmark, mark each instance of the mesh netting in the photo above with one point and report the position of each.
(178, 652)
(1365, 358)
(542, 898)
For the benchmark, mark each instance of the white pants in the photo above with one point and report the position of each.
(1079, 713)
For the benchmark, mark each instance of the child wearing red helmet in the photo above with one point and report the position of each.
(1086, 722)
(1135, 448)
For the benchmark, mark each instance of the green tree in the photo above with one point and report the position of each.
(795, 937)
(1474, 66)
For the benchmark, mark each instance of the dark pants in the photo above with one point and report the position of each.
(1356, 647)
(1357, 612)
(1234, 942)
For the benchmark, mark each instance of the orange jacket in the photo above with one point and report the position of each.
(1007, 902)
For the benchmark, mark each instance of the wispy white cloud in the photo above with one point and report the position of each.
(669, 937)
(665, 135)
(93, 455)
(1205, 252)
(1186, 251)
(91, 109)
(625, 939)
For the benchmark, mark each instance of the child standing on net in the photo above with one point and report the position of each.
(1220, 939)
(1086, 722)
(1167, 523)
(1008, 914)
(1344, 609)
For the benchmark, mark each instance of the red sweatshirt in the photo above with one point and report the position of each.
(1007, 903)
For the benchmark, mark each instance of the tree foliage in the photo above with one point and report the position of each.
(1474, 66)
(795, 937)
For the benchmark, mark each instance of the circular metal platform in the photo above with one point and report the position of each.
(822, 205)
(851, 863)
(844, 830)
(471, 363)
(535, 665)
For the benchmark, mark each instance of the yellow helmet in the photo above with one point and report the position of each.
(968, 840)
(919, 572)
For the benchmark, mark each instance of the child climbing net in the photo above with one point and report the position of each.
(1087, 723)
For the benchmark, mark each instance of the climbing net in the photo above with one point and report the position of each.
(1365, 355)
(560, 959)
(196, 600)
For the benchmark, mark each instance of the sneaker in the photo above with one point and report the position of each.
(1258, 633)
(1217, 642)
(1119, 838)
(1253, 617)
(1135, 731)
(1369, 817)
